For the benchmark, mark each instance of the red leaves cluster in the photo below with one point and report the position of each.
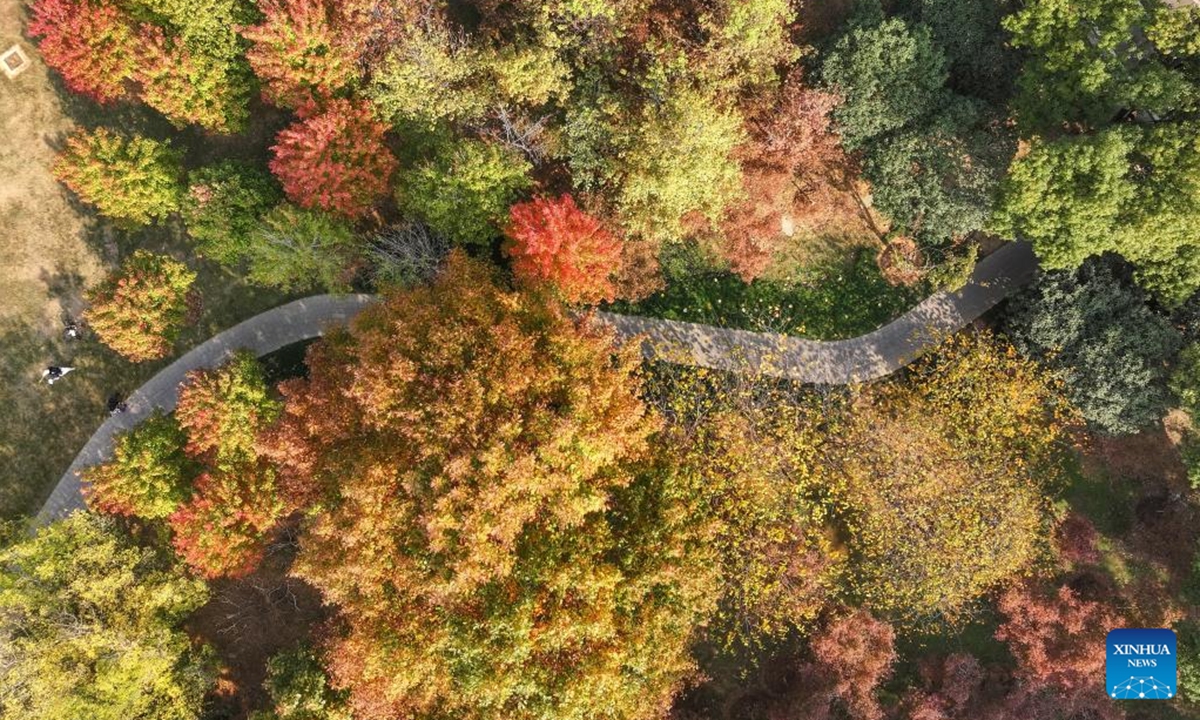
(852, 655)
(221, 531)
(301, 50)
(92, 44)
(958, 687)
(334, 158)
(554, 242)
(1056, 636)
(792, 148)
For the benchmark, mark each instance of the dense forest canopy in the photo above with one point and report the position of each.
(473, 502)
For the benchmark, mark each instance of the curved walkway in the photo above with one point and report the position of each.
(264, 333)
(836, 362)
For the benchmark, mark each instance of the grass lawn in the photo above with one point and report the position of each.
(51, 250)
(838, 297)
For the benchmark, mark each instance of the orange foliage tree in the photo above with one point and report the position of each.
(92, 43)
(495, 537)
(140, 310)
(554, 242)
(789, 167)
(334, 159)
(222, 410)
(301, 51)
(223, 530)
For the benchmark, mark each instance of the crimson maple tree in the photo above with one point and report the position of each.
(334, 158)
(551, 241)
(223, 530)
(92, 44)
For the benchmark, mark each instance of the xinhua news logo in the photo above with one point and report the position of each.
(1141, 664)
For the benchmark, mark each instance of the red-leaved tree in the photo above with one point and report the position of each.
(302, 51)
(223, 531)
(334, 159)
(1056, 636)
(90, 42)
(554, 242)
(851, 656)
(786, 164)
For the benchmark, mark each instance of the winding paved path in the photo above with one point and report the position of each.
(866, 357)
(264, 333)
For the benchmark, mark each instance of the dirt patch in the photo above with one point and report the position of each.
(1148, 458)
(249, 620)
(40, 230)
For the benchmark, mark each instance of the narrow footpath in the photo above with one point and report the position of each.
(836, 362)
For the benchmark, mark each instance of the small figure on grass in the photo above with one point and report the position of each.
(54, 373)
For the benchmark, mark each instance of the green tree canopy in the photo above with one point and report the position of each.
(1128, 190)
(131, 179)
(464, 190)
(90, 628)
(297, 249)
(223, 206)
(891, 74)
(1083, 64)
(149, 474)
(1112, 350)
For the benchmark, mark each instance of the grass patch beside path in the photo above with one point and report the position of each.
(830, 301)
(42, 427)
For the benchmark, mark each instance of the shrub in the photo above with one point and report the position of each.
(554, 242)
(223, 206)
(465, 190)
(130, 179)
(334, 159)
(296, 249)
(148, 475)
(92, 43)
(140, 310)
